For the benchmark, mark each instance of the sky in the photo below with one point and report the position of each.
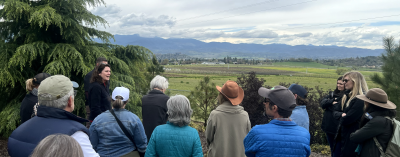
(349, 23)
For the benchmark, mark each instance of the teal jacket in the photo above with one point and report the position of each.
(170, 140)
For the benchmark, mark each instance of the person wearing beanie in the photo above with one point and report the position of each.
(30, 100)
(300, 114)
(281, 137)
(228, 124)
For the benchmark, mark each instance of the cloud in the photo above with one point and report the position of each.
(110, 11)
(146, 20)
(303, 34)
(253, 34)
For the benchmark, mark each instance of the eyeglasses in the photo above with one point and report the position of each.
(75, 92)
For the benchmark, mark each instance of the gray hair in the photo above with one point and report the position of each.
(58, 145)
(179, 110)
(60, 103)
(159, 82)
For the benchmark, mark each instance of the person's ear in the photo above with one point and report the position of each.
(275, 108)
(70, 101)
(295, 96)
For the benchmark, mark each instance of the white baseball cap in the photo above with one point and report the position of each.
(121, 91)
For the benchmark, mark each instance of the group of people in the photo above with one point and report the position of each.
(111, 130)
(357, 121)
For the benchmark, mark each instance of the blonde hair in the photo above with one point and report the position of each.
(30, 85)
(359, 87)
(58, 145)
(118, 103)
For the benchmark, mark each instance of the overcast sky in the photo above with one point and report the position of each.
(350, 23)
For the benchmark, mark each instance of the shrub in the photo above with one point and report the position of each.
(322, 149)
(181, 81)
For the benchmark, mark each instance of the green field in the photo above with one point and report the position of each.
(185, 79)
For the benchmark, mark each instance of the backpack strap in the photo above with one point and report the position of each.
(123, 128)
(379, 147)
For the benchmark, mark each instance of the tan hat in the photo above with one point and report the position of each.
(232, 92)
(54, 87)
(377, 97)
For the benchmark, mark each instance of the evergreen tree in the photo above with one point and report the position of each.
(57, 37)
(390, 80)
(203, 99)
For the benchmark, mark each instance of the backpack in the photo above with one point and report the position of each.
(393, 147)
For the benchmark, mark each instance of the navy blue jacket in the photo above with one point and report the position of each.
(48, 121)
(99, 99)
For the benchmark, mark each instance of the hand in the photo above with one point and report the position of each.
(343, 114)
(334, 103)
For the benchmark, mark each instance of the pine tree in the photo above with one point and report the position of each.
(203, 99)
(57, 37)
(390, 80)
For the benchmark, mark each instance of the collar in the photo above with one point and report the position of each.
(283, 119)
(155, 91)
(34, 91)
(51, 112)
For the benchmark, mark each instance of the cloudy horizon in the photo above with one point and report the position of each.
(355, 23)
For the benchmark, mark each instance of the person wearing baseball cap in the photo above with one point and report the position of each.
(376, 124)
(300, 114)
(56, 98)
(31, 98)
(228, 124)
(112, 123)
(281, 136)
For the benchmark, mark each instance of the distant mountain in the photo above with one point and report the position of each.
(196, 48)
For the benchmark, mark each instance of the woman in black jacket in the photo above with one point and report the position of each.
(32, 84)
(378, 124)
(99, 98)
(349, 112)
(329, 123)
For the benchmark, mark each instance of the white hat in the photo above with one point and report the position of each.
(121, 91)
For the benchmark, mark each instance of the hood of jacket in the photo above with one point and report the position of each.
(227, 107)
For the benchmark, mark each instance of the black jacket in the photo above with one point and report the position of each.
(86, 85)
(378, 127)
(48, 121)
(99, 100)
(154, 111)
(329, 123)
(26, 109)
(348, 124)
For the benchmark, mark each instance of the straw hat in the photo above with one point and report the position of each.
(232, 92)
(377, 97)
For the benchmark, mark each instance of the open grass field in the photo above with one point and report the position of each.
(185, 79)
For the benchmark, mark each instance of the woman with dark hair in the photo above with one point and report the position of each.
(329, 123)
(376, 125)
(32, 85)
(118, 132)
(99, 99)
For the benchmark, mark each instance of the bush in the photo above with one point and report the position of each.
(322, 149)
(181, 81)
(340, 71)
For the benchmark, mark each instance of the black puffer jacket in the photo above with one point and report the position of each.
(348, 124)
(378, 127)
(329, 123)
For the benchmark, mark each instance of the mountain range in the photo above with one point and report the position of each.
(200, 49)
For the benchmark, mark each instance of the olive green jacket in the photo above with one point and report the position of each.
(226, 129)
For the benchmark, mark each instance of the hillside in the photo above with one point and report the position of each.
(196, 48)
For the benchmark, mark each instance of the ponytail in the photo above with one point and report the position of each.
(30, 85)
(118, 103)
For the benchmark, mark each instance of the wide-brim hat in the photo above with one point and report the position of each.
(232, 92)
(378, 97)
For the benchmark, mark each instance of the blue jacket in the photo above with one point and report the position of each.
(300, 117)
(48, 121)
(277, 139)
(169, 140)
(108, 139)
